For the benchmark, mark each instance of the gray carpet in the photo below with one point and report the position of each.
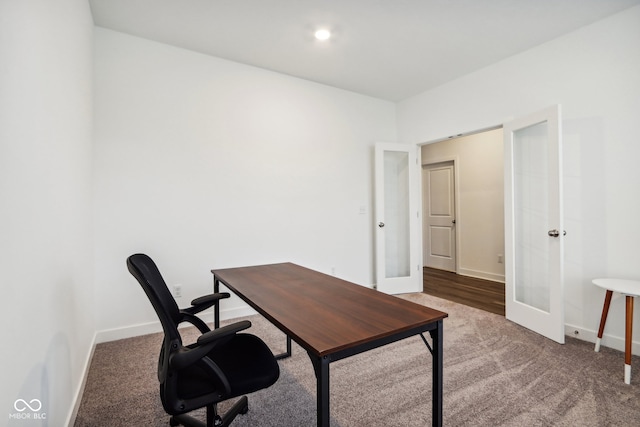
(496, 373)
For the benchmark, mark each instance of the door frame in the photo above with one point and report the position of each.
(456, 193)
(458, 210)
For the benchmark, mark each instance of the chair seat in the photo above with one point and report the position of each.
(247, 363)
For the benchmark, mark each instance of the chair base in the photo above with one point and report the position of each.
(213, 419)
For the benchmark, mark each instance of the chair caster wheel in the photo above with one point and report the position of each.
(173, 423)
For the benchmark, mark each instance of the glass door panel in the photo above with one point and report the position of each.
(530, 166)
(396, 214)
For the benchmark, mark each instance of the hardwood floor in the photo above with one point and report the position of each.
(479, 293)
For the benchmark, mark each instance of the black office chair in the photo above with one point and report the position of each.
(222, 364)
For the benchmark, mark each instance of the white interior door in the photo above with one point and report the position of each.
(439, 232)
(533, 223)
(397, 240)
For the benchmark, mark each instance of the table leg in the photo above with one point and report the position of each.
(216, 308)
(321, 368)
(287, 352)
(603, 319)
(436, 389)
(628, 340)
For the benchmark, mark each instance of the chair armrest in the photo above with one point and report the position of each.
(187, 356)
(198, 305)
(223, 332)
(204, 302)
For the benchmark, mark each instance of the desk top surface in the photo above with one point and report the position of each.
(322, 313)
(624, 286)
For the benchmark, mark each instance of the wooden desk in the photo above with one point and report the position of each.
(332, 319)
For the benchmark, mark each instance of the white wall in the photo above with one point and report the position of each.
(480, 198)
(204, 163)
(45, 197)
(593, 73)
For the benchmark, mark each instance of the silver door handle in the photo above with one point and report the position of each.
(381, 224)
(556, 233)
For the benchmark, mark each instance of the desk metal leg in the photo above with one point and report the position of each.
(436, 389)
(321, 368)
(216, 308)
(287, 353)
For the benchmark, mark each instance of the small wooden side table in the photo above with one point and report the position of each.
(630, 289)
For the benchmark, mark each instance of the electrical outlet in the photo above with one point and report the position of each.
(500, 258)
(177, 291)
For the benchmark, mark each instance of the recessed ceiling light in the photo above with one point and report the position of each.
(323, 34)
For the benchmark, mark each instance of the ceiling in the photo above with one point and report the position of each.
(388, 49)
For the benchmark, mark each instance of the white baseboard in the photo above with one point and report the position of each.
(228, 314)
(589, 335)
(155, 327)
(481, 275)
(77, 398)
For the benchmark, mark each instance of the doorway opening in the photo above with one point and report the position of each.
(484, 294)
(463, 222)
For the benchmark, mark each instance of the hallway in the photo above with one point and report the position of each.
(479, 293)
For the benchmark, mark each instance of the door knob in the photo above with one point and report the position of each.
(556, 233)
(381, 224)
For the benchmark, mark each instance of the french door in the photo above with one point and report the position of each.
(534, 232)
(397, 228)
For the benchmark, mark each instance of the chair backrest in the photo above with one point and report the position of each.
(146, 272)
